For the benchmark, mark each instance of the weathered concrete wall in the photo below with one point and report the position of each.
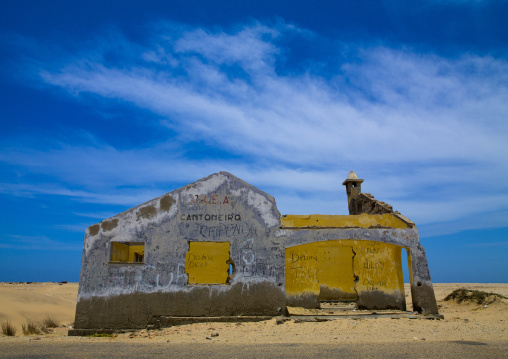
(219, 208)
(422, 292)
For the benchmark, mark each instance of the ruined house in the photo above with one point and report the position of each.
(219, 247)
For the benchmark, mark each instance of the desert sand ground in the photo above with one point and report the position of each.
(462, 322)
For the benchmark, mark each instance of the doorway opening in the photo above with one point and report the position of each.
(345, 274)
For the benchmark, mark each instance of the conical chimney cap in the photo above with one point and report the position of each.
(352, 177)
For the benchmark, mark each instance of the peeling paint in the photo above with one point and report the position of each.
(166, 202)
(109, 225)
(94, 230)
(264, 207)
(146, 212)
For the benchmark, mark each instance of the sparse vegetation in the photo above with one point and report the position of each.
(46, 330)
(50, 322)
(477, 296)
(30, 327)
(8, 329)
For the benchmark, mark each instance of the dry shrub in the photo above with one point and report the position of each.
(8, 329)
(50, 322)
(30, 327)
(477, 296)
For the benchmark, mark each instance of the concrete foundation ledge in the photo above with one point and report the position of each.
(325, 318)
(87, 332)
(167, 321)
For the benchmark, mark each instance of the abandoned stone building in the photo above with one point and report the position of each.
(219, 247)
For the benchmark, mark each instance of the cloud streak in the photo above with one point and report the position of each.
(425, 131)
(417, 108)
(36, 243)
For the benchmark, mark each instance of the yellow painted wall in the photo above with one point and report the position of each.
(207, 262)
(335, 273)
(311, 266)
(140, 249)
(119, 252)
(335, 221)
(301, 270)
(378, 267)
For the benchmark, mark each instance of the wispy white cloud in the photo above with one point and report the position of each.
(79, 227)
(250, 47)
(425, 131)
(414, 107)
(111, 196)
(36, 243)
(474, 220)
(96, 215)
(488, 244)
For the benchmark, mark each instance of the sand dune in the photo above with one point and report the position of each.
(21, 301)
(463, 322)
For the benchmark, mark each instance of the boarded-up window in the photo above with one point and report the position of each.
(127, 252)
(208, 262)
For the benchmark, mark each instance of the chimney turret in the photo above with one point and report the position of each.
(353, 186)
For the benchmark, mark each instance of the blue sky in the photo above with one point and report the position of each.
(106, 104)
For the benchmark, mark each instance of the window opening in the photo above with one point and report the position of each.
(127, 252)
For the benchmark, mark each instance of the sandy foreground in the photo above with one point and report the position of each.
(464, 322)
